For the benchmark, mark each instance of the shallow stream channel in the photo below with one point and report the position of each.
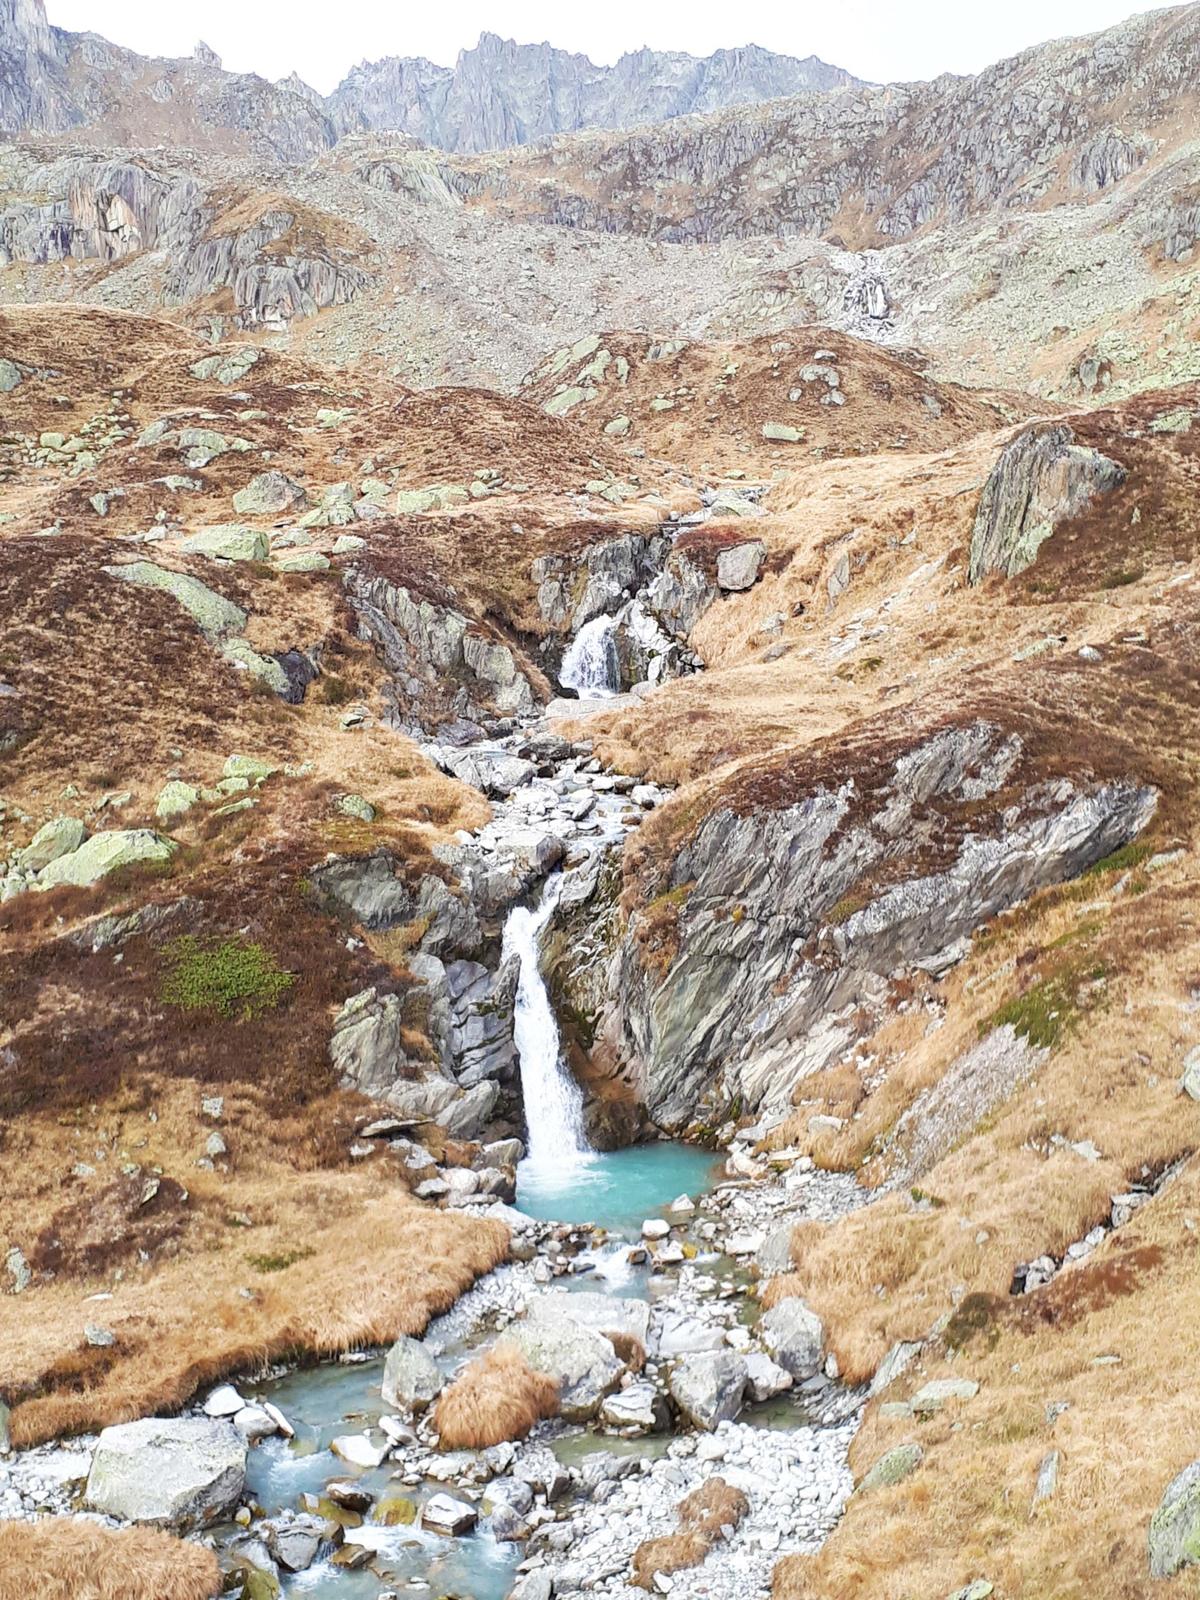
(633, 1281)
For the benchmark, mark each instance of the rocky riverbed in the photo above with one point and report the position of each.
(565, 1510)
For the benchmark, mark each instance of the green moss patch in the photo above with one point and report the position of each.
(233, 977)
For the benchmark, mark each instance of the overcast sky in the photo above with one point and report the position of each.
(877, 39)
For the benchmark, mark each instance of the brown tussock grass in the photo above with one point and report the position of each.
(67, 1558)
(498, 1397)
(702, 1515)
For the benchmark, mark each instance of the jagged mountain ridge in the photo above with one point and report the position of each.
(498, 93)
(501, 93)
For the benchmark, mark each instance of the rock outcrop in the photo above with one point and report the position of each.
(1043, 478)
(780, 941)
(443, 666)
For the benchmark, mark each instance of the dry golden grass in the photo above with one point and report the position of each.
(702, 1515)
(1115, 1339)
(65, 1558)
(328, 1259)
(498, 1397)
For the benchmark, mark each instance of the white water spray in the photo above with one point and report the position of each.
(590, 666)
(553, 1100)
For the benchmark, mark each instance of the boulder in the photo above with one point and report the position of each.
(104, 853)
(683, 1335)
(933, 1396)
(266, 494)
(174, 799)
(764, 1378)
(1042, 478)
(781, 433)
(634, 1411)
(211, 612)
(1175, 1527)
(443, 1514)
(893, 1466)
(603, 1313)
(496, 772)
(793, 1335)
(583, 1362)
(60, 837)
(229, 541)
(178, 1472)
(708, 1388)
(738, 565)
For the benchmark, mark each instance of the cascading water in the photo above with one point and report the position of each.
(590, 666)
(557, 1144)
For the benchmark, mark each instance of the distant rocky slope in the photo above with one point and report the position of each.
(1034, 227)
(499, 93)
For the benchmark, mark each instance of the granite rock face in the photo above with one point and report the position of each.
(745, 1008)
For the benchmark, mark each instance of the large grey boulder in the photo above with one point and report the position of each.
(229, 541)
(53, 839)
(177, 1472)
(1175, 1526)
(496, 772)
(739, 565)
(708, 1388)
(411, 1378)
(1042, 478)
(104, 853)
(603, 1313)
(582, 1361)
(634, 1411)
(794, 1336)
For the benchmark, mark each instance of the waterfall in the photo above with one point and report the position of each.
(553, 1100)
(590, 666)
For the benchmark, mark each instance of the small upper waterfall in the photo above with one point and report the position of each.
(553, 1100)
(590, 666)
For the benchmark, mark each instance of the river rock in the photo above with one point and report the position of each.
(637, 1410)
(602, 1313)
(295, 1547)
(681, 1335)
(495, 772)
(358, 1450)
(794, 1336)
(738, 565)
(179, 1472)
(582, 1361)
(764, 1378)
(443, 1514)
(708, 1387)
(411, 1378)
(224, 1401)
